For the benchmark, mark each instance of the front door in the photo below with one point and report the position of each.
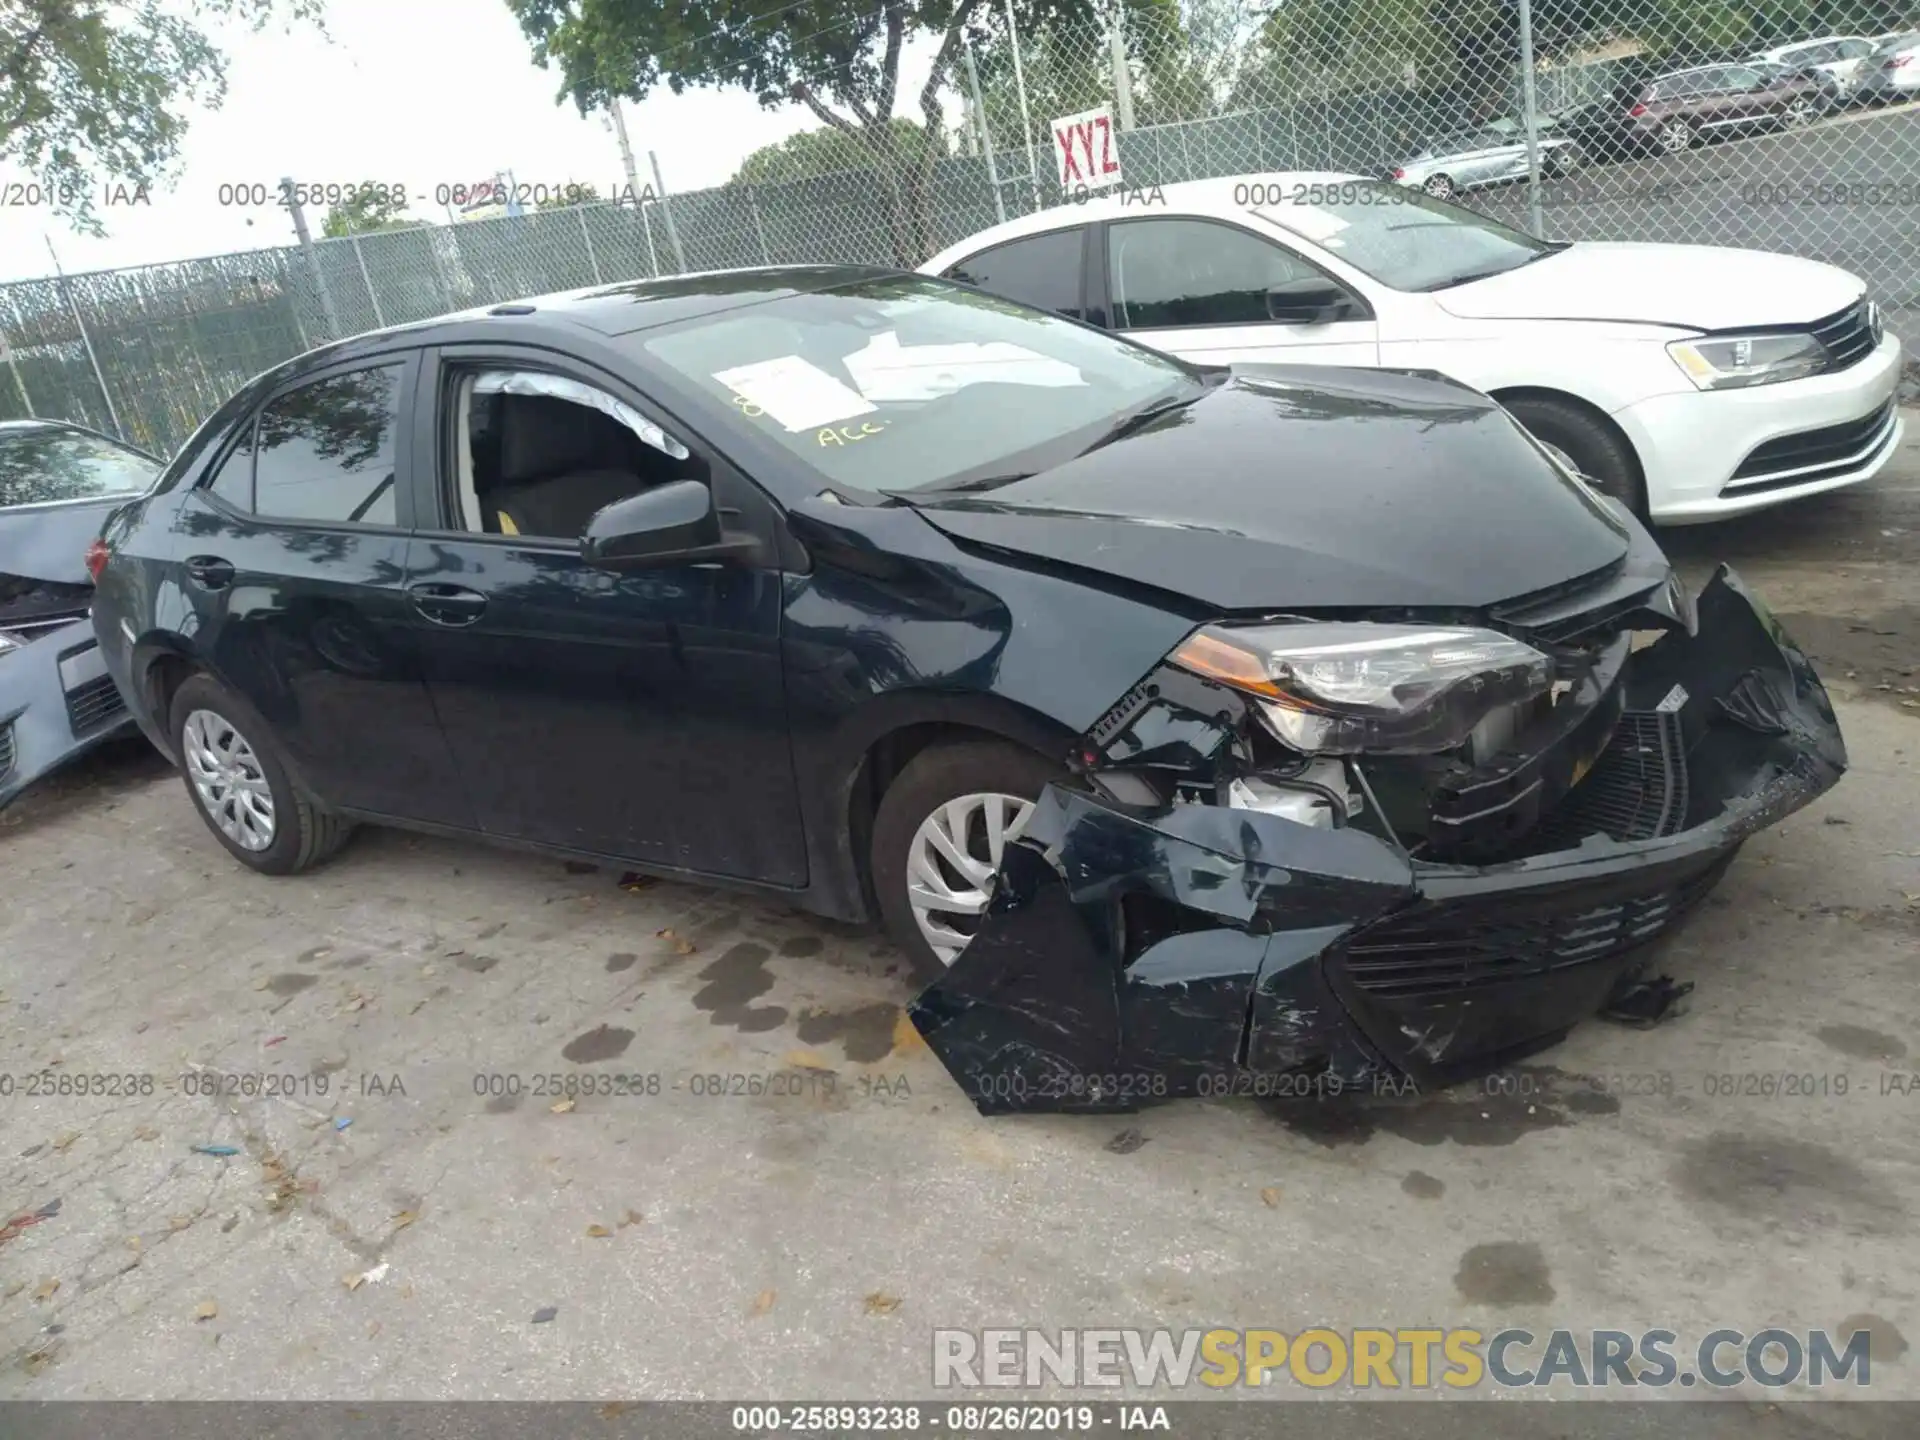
(1215, 294)
(638, 715)
(291, 558)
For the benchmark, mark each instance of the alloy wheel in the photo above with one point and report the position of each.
(228, 780)
(1799, 114)
(1676, 136)
(951, 863)
(1439, 186)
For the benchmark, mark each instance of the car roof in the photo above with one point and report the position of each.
(1213, 198)
(609, 310)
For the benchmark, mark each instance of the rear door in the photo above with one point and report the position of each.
(638, 715)
(1047, 271)
(293, 552)
(1211, 292)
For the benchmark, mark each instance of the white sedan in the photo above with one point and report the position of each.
(1689, 381)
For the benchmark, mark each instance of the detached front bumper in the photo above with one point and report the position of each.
(1133, 955)
(57, 701)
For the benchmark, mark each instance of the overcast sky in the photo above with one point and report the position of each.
(420, 92)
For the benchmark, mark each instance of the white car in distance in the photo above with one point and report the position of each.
(1691, 382)
(1837, 55)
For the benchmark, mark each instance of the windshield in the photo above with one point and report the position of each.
(38, 465)
(908, 383)
(1403, 237)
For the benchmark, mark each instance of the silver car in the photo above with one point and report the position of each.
(1495, 154)
(1892, 72)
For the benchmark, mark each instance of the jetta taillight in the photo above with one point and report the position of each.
(97, 556)
(1400, 174)
(1637, 111)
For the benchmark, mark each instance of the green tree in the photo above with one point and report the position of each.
(839, 58)
(365, 212)
(95, 93)
(825, 151)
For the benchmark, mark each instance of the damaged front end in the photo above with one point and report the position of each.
(56, 699)
(1281, 878)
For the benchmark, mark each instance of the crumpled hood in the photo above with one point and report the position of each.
(1701, 287)
(1296, 487)
(49, 542)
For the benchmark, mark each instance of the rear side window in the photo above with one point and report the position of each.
(1042, 271)
(326, 451)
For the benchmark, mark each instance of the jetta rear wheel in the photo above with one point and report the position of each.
(938, 839)
(241, 788)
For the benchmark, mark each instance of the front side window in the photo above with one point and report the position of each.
(42, 464)
(1042, 271)
(325, 452)
(540, 454)
(233, 480)
(908, 383)
(1169, 273)
(1402, 237)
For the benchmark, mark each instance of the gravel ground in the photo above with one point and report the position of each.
(431, 1227)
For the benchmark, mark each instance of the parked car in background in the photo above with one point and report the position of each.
(1836, 56)
(1470, 160)
(1892, 73)
(1673, 112)
(903, 601)
(1690, 382)
(58, 482)
(1833, 96)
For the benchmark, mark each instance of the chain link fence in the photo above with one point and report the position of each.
(1783, 128)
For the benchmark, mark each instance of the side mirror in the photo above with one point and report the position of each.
(675, 523)
(1311, 301)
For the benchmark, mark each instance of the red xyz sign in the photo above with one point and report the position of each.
(1085, 152)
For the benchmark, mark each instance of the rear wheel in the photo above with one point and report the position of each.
(240, 786)
(1801, 113)
(1441, 187)
(1587, 445)
(938, 838)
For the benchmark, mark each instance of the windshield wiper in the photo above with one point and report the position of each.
(972, 486)
(1137, 420)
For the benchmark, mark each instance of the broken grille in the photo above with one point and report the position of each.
(1444, 947)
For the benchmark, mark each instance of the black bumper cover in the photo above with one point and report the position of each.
(1134, 955)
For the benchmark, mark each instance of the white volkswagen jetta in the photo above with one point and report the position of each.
(1691, 382)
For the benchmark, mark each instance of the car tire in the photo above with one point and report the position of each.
(1563, 160)
(1441, 187)
(1800, 114)
(1595, 450)
(223, 744)
(914, 818)
(1676, 137)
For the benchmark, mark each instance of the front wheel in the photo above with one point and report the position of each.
(241, 788)
(1676, 137)
(938, 838)
(1586, 445)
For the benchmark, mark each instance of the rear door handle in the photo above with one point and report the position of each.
(210, 571)
(447, 604)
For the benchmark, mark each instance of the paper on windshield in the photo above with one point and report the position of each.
(891, 373)
(795, 392)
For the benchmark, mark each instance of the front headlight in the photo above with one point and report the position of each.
(1736, 361)
(1345, 689)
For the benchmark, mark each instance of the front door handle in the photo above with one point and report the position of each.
(447, 604)
(210, 571)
